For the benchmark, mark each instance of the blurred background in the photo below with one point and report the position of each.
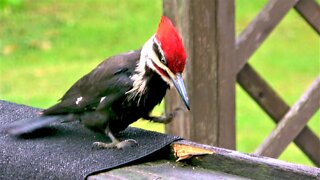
(46, 45)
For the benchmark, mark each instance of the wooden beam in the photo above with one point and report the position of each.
(310, 11)
(292, 123)
(225, 35)
(246, 165)
(276, 108)
(259, 29)
(207, 162)
(262, 93)
(207, 29)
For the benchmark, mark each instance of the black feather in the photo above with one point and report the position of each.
(100, 98)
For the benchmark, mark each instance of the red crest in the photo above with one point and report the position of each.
(171, 45)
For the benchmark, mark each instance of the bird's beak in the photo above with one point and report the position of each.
(179, 84)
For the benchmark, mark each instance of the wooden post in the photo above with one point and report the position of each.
(207, 30)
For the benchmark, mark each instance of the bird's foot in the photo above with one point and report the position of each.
(166, 119)
(116, 144)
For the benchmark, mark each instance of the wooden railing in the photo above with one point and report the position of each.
(217, 60)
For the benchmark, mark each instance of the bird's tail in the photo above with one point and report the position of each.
(28, 125)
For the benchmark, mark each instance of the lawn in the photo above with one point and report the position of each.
(45, 46)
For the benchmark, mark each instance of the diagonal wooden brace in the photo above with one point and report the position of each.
(310, 11)
(276, 108)
(292, 123)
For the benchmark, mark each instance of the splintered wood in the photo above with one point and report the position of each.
(182, 152)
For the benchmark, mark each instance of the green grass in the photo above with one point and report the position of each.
(45, 46)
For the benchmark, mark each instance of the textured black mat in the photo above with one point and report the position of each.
(66, 150)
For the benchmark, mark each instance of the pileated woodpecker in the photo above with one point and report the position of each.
(121, 89)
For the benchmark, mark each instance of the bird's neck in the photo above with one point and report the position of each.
(144, 70)
(140, 77)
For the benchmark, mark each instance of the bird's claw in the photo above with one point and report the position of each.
(168, 118)
(126, 143)
(119, 145)
(165, 119)
(175, 111)
(101, 145)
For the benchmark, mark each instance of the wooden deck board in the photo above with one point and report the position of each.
(248, 165)
(163, 169)
(209, 162)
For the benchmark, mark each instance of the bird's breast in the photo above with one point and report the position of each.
(131, 108)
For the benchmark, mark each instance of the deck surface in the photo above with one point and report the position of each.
(65, 152)
(163, 169)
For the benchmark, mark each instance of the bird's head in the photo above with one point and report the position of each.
(165, 54)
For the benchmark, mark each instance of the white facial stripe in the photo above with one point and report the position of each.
(148, 58)
(153, 59)
(162, 66)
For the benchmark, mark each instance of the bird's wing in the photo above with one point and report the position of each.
(109, 78)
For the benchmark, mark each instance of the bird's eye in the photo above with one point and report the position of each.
(163, 60)
(161, 57)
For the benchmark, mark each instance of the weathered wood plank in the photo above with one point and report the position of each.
(207, 29)
(310, 11)
(226, 73)
(262, 93)
(162, 169)
(178, 11)
(292, 123)
(259, 29)
(276, 108)
(221, 164)
(251, 166)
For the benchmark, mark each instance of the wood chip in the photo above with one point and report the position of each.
(183, 152)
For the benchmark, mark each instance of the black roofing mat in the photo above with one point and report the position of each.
(66, 150)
